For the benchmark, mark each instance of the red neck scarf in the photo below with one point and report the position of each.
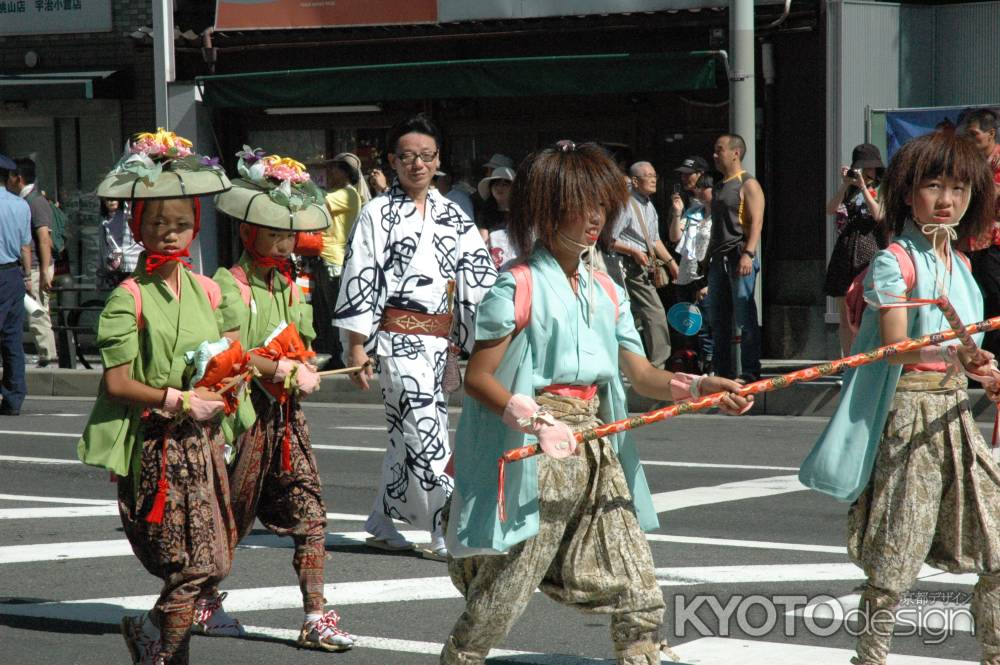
(155, 260)
(283, 266)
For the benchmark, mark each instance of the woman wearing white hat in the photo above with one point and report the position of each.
(495, 191)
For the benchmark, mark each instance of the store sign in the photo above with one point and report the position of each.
(286, 14)
(42, 17)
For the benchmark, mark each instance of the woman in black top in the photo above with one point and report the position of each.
(859, 215)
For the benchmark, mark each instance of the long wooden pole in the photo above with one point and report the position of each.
(755, 388)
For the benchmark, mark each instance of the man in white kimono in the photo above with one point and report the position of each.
(415, 270)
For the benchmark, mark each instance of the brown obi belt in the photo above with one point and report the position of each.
(566, 390)
(415, 323)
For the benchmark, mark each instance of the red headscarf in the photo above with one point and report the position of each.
(283, 266)
(156, 259)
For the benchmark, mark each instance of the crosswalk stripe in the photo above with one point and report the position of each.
(751, 544)
(714, 650)
(64, 435)
(381, 449)
(57, 499)
(712, 494)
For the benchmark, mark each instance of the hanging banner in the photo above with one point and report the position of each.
(291, 14)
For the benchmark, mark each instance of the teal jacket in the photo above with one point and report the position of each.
(841, 461)
(559, 345)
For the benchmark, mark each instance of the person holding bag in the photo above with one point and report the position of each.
(646, 262)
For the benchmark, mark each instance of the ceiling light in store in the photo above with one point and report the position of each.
(347, 108)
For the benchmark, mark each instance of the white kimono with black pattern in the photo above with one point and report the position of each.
(391, 263)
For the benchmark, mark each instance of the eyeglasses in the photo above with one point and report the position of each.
(410, 158)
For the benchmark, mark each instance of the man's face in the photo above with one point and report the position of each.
(723, 154)
(983, 140)
(408, 161)
(13, 183)
(644, 181)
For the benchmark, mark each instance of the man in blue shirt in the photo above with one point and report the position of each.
(15, 270)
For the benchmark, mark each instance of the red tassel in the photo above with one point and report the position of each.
(501, 499)
(155, 515)
(286, 442)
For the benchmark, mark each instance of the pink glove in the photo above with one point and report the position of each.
(985, 374)
(308, 379)
(524, 415)
(684, 387)
(285, 367)
(189, 402)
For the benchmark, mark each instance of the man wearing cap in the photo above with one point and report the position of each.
(15, 268)
(343, 201)
(637, 239)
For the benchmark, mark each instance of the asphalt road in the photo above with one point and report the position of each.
(746, 558)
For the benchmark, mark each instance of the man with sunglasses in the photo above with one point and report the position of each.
(414, 273)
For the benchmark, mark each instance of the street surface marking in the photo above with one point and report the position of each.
(70, 511)
(742, 489)
(63, 435)
(366, 449)
(58, 499)
(777, 573)
(706, 465)
(37, 460)
(111, 548)
(715, 650)
(752, 544)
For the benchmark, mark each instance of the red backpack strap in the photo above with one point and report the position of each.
(522, 296)
(905, 262)
(210, 288)
(604, 279)
(130, 285)
(242, 282)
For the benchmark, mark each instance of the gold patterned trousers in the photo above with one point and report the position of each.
(589, 552)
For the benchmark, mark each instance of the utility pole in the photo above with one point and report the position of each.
(163, 58)
(743, 102)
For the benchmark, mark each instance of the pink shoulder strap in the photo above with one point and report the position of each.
(604, 279)
(208, 285)
(905, 264)
(130, 285)
(242, 282)
(965, 259)
(211, 289)
(522, 296)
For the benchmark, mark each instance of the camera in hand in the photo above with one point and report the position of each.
(853, 173)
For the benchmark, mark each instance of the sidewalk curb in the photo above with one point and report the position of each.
(818, 399)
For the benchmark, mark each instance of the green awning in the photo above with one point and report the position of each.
(611, 73)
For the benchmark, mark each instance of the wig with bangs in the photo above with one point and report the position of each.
(941, 153)
(562, 183)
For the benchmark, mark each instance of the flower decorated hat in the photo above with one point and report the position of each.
(162, 166)
(274, 192)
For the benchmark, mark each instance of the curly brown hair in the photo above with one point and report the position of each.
(560, 183)
(941, 153)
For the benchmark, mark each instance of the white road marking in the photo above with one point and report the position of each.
(57, 499)
(714, 650)
(48, 513)
(37, 460)
(111, 548)
(793, 572)
(381, 449)
(751, 544)
(63, 435)
(742, 489)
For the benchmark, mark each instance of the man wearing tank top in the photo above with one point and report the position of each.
(738, 216)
